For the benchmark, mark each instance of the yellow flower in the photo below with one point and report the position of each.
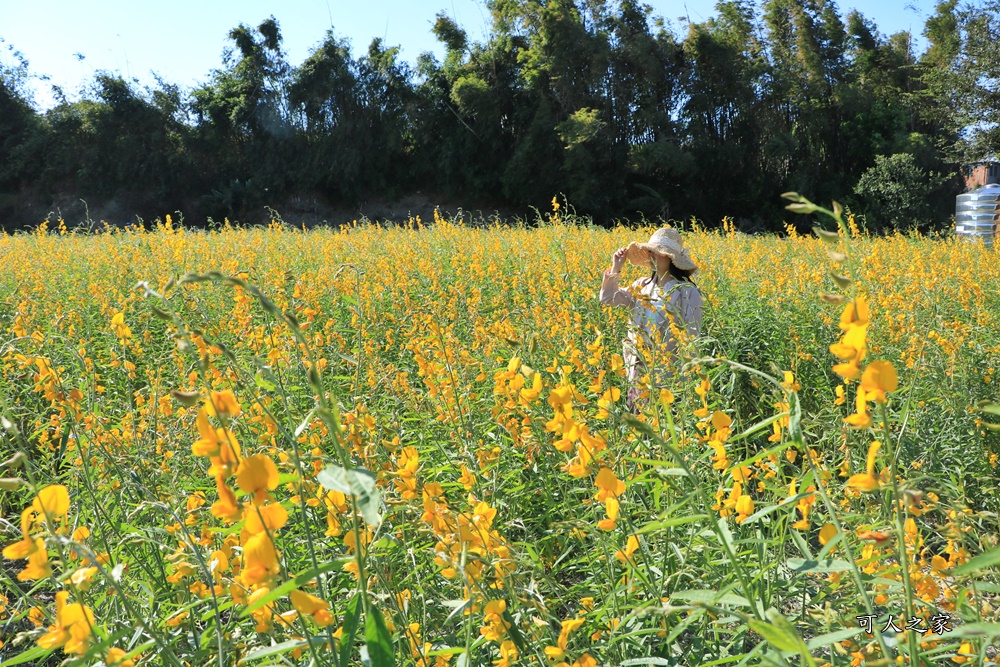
(116, 658)
(81, 577)
(879, 377)
(26, 546)
(861, 418)
(260, 559)
(608, 485)
(310, 605)
(218, 444)
(226, 507)
(38, 563)
(611, 509)
(72, 629)
(744, 508)
(527, 396)
(965, 653)
(827, 533)
(223, 402)
(630, 546)
(257, 518)
(257, 474)
(262, 614)
(855, 313)
(867, 482)
(666, 398)
(52, 500)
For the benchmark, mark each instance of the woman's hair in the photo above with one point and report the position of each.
(678, 274)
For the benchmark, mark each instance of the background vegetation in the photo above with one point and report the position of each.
(594, 99)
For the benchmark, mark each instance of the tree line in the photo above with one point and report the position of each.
(600, 101)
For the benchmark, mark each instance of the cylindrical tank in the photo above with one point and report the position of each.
(977, 214)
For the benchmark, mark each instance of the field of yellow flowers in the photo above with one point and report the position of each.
(409, 445)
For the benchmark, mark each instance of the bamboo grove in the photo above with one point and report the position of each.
(623, 112)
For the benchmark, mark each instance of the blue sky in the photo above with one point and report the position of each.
(182, 40)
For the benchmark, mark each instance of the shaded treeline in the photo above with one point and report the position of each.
(593, 99)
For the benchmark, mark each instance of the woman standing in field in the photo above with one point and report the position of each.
(668, 297)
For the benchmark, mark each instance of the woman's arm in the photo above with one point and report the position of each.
(611, 293)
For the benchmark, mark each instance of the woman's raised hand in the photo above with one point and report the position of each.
(618, 260)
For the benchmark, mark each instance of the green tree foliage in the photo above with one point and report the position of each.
(895, 193)
(599, 100)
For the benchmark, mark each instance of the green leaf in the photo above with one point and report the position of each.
(28, 656)
(346, 357)
(832, 638)
(646, 661)
(980, 562)
(990, 408)
(262, 382)
(356, 482)
(514, 631)
(275, 649)
(668, 523)
(756, 428)
(827, 565)
(378, 640)
(710, 597)
(987, 631)
(351, 619)
(779, 633)
(795, 418)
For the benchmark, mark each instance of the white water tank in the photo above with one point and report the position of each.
(977, 213)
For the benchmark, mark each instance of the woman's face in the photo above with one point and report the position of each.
(660, 262)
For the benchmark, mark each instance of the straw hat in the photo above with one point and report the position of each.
(664, 241)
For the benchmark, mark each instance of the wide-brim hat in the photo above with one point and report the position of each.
(664, 241)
